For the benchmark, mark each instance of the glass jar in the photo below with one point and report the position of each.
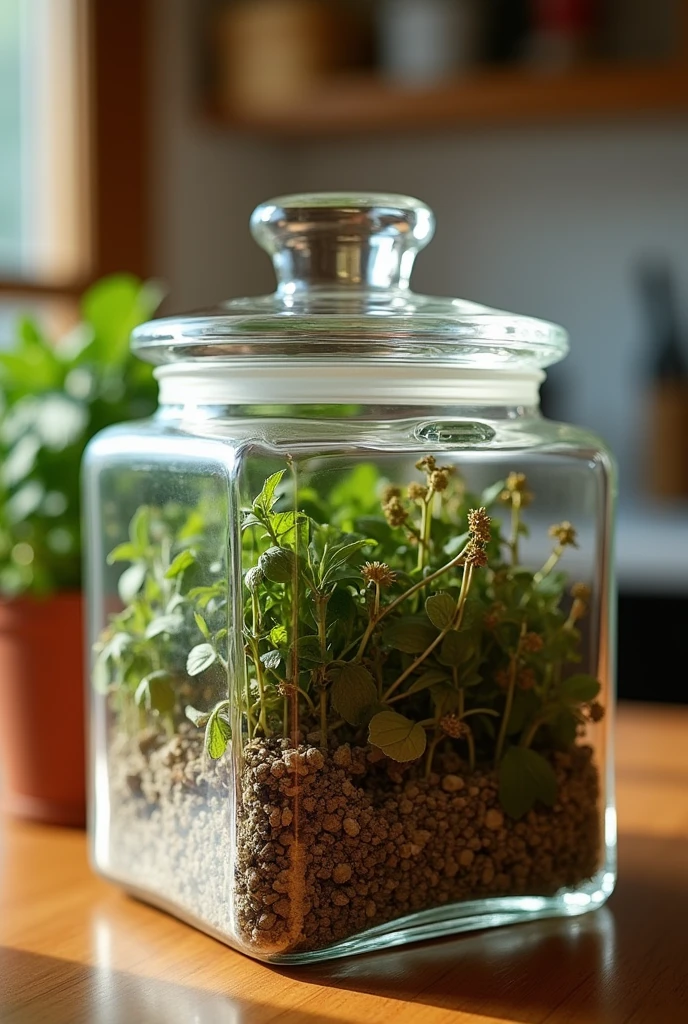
(351, 610)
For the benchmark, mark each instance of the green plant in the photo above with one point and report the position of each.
(408, 625)
(55, 397)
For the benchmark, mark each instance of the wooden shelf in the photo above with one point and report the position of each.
(366, 104)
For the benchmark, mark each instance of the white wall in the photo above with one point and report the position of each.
(539, 220)
(549, 222)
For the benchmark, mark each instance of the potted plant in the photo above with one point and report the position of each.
(429, 725)
(54, 396)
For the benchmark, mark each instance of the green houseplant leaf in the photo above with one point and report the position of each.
(524, 778)
(200, 658)
(353, 693)
(441, 610)
(397, 736)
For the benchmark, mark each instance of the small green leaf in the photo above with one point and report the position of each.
(217, 733)
(199, 718)
(271, 659)
(278, 635)
(564, 728)
(441, 610)
(266, 499)
(429, 678)
(524, 778)
(284, 523)
(127, 552)
(579, 689)
(277, 564)
(202, 625)
(456, 544)
(397, 736)
(164, 624)
(200, 658)
(490, 494)
(184, 560)
(456, 649)
(524, 707)
(131, 581)
(410, 636)
(139, 528)
(156, 693)
(308, 649)
(251, 520)
(336, 559)
(353, 693)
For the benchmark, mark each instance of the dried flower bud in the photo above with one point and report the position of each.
(286, 689)
(516, 482)
(439, 479)
(564, 533)
(596, 712)
(515, 491)
(417, 492)
(532, 643)
(526, 679)
(378, 572)
(389, 492)
(253, 579)
(452, 725)
(394, 511)
(427, 464)
(581, 592)
(475, 555)
(479, 524)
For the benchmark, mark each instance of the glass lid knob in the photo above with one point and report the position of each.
(357, 241)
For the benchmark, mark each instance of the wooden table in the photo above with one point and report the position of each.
(74, 949)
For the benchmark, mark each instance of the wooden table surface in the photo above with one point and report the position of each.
(73, 949)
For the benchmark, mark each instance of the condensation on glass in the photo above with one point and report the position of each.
(350, 610)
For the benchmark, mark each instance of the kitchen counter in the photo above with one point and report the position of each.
(74, 949)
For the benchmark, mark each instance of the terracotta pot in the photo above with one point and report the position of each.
(42, 726)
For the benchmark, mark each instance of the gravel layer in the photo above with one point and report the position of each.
(329, 845)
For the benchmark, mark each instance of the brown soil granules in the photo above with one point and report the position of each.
(330, 845)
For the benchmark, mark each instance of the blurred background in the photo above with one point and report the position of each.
(549, 136)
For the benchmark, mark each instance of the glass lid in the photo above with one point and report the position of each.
(343, 265)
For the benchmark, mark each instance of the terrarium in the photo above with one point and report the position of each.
(350, 610)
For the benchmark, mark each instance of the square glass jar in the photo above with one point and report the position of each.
(350, 603)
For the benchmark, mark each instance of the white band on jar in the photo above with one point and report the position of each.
(307, 382)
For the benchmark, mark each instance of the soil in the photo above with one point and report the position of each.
(374, 843)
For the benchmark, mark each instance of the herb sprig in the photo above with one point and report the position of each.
(412, 627)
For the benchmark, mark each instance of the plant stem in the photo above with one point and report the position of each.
(323, 719)
(255, 652)
(509, 698)
(454, 624)
(321, 614)
(457, 560)
(529, 736)
(419, 661)
(515, 523)
(425, 525)
(549, 564)
(294, 699)
(249, 716)
(471, 750)
(430, 754)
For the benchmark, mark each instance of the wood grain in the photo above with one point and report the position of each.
(74, 949)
